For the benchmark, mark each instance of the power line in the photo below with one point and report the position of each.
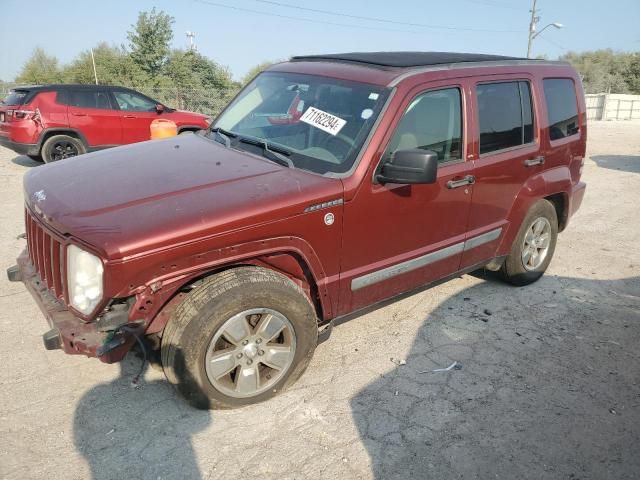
(554, 43)
(492, 4)
(326, 22)
(383, 20)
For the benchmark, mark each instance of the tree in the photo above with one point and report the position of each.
(261, 67)
(632, 74)
(40, 68)
(114, 66)
(150, 40)
(197, 82)
(606, 71)
(192, 69)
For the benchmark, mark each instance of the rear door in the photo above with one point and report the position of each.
(137, 113)
(507, 153)
(92, 113)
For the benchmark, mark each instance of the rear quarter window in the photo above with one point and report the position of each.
(16, 97)
(562, 107)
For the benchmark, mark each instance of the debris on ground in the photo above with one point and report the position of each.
(398, 361)
(453, 366)
(488, 312)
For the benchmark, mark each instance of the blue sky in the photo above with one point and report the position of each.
(242, 38)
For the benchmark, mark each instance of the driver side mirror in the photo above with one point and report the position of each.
(159, 108)
(410, 167)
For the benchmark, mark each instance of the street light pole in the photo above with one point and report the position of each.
(532, 28)
(533, 32)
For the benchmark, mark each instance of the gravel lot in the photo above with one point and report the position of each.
(549, 385)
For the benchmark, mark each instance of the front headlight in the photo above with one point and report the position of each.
(84, 279)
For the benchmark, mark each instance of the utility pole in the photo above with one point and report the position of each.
(532, 27)
(93, 61)
(190, 36)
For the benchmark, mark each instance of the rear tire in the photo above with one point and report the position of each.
(534, 245)
(60, 147)
(218, 348)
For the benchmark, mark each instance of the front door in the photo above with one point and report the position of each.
(92, 114)
(399, 237)
(137, 112)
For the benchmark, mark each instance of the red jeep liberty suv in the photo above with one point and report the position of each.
(52, 122)
(329, 184)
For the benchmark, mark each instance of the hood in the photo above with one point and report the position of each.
(128, 200)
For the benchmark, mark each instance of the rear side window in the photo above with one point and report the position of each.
(560, 94)
(433, 121)
(505, 114)
(89, 99)
(16, 97)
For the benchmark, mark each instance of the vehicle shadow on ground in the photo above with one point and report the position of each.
(624, 163)
(548, 386)
(143, 431)
(25, 161)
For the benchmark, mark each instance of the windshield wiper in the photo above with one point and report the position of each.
(224, 134)
(276, 154)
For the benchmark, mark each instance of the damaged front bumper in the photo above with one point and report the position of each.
(68, 332)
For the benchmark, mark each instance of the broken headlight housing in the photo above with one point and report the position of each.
(84, 279)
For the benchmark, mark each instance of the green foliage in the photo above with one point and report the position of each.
(182, 79)
(633, 73)
(192, 69)
(40, 68)
(114, 66)
(607, 71)
(255, 71)
(150, 40)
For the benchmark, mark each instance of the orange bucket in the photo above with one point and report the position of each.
(163, 128)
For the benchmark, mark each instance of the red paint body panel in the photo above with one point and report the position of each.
(162, 214)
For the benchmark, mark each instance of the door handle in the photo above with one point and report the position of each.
(532, 162)
(78, 114)
(468, 180)
(129, 116)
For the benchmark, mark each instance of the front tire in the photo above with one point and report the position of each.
(239, 338)
(60, 147)
(534, 245)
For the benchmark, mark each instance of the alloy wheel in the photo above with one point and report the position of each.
(250, 352)
(535, 246)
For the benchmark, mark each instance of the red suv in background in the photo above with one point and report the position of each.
(52, 122)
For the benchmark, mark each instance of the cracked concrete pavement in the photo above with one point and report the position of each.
(549, 385)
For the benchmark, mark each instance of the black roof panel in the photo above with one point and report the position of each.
(404, 59)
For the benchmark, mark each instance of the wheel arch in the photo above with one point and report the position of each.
(47, 133)
(552, 185)
(189, 128)
(157, 306)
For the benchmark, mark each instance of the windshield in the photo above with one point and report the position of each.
(320, 122)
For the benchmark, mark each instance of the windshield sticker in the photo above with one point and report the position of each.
(366, 113)
(323, 120)
(373, 96)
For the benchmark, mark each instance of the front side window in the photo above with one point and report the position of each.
(90, 99)
(319, 123)
(130, 102)
(560, 94)
(505, 115)
(433, 121)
